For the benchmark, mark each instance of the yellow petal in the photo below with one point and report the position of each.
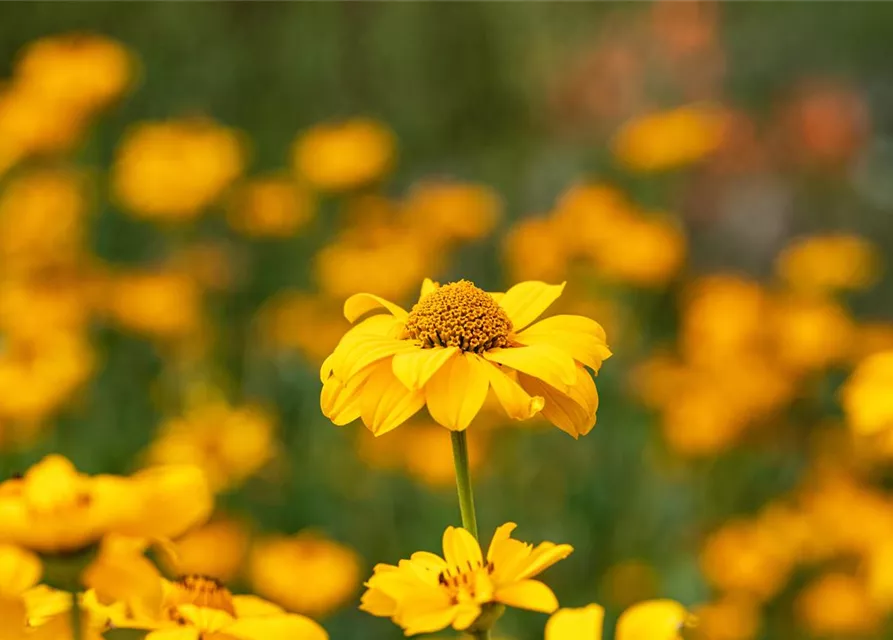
(502, 533)
(353, 357)
(428, 621)
(518, 404)
(174, 498)
(467, 613)
(549, 364)
(652, 620)
(428, 285)
(576, 624)
(527, 594)
(339, 403)
(429, 560)
(572, 412)
(544, 556)
(19, 570)
(526, 301)
(246, 606)
(181, 633)
(581, 338)
(415, 368)
(460, 548)
(362, 303)
(275, 627)
(377, 603)
(385, 403)
(457, 391)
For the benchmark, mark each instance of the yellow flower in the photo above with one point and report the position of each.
(453, 211)
(837, 604)
(216, 549)
(535, 249)
(732, 617)
(173, 170)
(130, 594)
(646, 251)
(456, 344)
(270, 207)
(161, 304)
(810, 333)
(668, 139)
(305, 573)
(228, 443)
(344, 155)
(427, 593)
(828, 263)
(305, 322)
(20, 570)
(649, 620)
(53, 508)
(78, 71)
(866, 396)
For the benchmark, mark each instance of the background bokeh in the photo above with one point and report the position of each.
(189, 191)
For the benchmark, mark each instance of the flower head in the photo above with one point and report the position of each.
(649, 620)
(456, 344)
(427, 593)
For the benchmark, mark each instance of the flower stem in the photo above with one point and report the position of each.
(75, 617)
(463, 482)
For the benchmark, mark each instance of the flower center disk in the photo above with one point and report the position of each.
(459, 315)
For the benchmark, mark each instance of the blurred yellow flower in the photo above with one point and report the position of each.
(344, 155)
(162, 303)
(646, 251)
(456, 344)
(453, 211)
(741, 557)
(77, 71)
(828, 263)
(866, 396)
(42, 220)
(649, 620)
(428, 593)
(668, 139)
(19, 571)
(305, 322)
(190, 608)
(173, 170)
(228, 443)
(731, 617)
(216, 549)
(836, 604)
(871, 338)
(588, 217)
(423, 451)
(54, 508)
(810, 333)
(306, 573)
(535, 250)
(270, 207)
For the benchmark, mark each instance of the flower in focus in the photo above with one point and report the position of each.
(456, 344)
(271, 207)
(649, 620)
(53, 508)
(78, 71)
(836, 604)
(668, 139)
(228, 443)
(173, 170)
(216, 549)
(866, 396)
(305, 573)
(829, 263)
(344, 155)
(427, 593)
(129, 593)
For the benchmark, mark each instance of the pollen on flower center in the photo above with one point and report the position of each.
(200, 591)
(462, 583)
(459, 315)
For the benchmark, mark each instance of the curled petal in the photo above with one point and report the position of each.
(526, 301)
(362, 303)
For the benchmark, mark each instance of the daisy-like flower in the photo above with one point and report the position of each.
(649, 620)
(456, 344)
(428, 593)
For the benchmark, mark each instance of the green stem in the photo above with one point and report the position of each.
(76, 630)
(463, 482)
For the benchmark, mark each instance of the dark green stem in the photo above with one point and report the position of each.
(76, 630)
(463, 482)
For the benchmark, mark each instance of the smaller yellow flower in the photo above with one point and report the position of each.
(228, 443)
(732, 617)
(649, 620)
(836, 605)
(164, 303)
(866, 395)
(428, 593)
(669, 139)
(171, 171)
(270, 207)
(829, 263)
(344, 155)
(453, 211)
(307, 323)
(216, 549)
(53, 508)
(305, 573)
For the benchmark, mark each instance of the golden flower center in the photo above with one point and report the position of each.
(462, 583)
(459, 315)
(200, 591)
